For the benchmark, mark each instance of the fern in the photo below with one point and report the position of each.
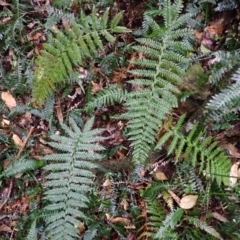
(157, 78)
(226, 103)
(170, 222)
(203, 226)
(225, 5)
(70, 178)
(68, 49)
(32, 234)
(22, 165)
(227, 63)
(199, 151)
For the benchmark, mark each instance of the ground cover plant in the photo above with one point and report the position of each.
(119, 119)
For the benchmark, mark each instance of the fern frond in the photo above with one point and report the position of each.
(23, 165)
(110, 95)
(226, 5)
(200, 152)
(203, 226)
(227, 63)
(32, 233)
(70, 179)
(222, 105)
(169, 224)
(67, 49)
(157, 78)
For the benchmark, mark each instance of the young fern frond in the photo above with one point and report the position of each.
(226, 103)
(200, 152)
(68, 49)
(22, 165)
(203, 226)
(110, 95)
(170, 222)
(70, 179)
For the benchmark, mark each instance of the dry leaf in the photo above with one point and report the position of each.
(219, 217)
(5, 228)
(120, 220)
(174, 196)
(107, 183)
(234, 174)
(17, 140)
(9, 100)
(96, 87)
(188, 202)
(160, 176)
(231, 149)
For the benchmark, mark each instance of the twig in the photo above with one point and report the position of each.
(15, 159)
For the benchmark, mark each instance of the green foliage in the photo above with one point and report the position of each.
(157, 78)
(203, 226)
(199, 151)
(67, 49)
(169, 224)
(22, 165)
(70, 179)
(226, 63)
(225, 104)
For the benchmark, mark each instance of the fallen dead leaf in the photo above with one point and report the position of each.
(107, 183)
(234, 174)
(188, 201)
(174, 196)
(17, 140)
(231, 149)
(120, 220)
(5, 228)
(160, 176)
(219, 217)
(96, 87)
(9, 100)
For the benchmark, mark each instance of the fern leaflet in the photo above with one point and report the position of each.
(68, 49)
(202, 153)
(69, 178)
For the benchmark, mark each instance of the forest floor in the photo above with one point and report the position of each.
(27, 133)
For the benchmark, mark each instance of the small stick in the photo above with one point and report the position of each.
(16, 158)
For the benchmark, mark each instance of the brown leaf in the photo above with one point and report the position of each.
(9, 100)
(5, 228)
(234, 174)
(96, 87)
(160, 176)
(120, 220)
(219, 217)
(17, 140)
(188, 201)
(231, 149)
(2, 3)
(174, 196)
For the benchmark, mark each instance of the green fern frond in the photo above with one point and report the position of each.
(226, 63)
(200, 152)
(226, 103)
(203, 226)
(157, 78)
(226, 5)
(70, 179)
(22, 165)
(108, 96)
(32, 233)
(68, 49)
(169, 224)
